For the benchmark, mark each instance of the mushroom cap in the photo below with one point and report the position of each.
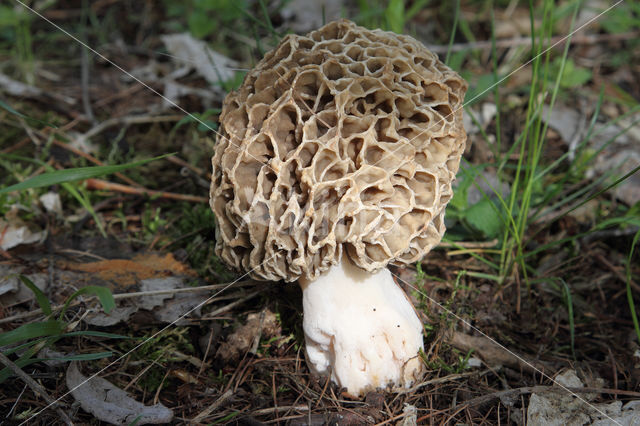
(343, 140)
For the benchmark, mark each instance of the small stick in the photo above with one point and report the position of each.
(117, 296)
(210, 409)
(600, 258)
(440, 380)
(100, 184)
(171, 291)
(211, 315)
(206, 354)
(125, 121)
(272, 410)
(126, 92)
(182, 163)
(16, 146)
(35, 386)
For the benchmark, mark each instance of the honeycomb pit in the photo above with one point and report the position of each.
(335, 158)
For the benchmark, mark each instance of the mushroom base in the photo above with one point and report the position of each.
(361, 329)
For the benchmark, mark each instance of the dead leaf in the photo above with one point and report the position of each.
(484, 115)
(621, 152)
(264, 323)
(51, 203)
(558, 407)
(8, 283)
(568, 122)
(178, 306)
(165, 307)
(487, 183)
(117, 315)
(111, 404)
(409, 416)
(14, 231)
(13, 291)
(125, 273)
(189, 51)
(173, 91)
(157, 284)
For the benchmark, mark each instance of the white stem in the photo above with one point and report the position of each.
(361, 328)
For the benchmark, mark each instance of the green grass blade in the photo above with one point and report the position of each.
(103, 293)
(416, 7)
(79, 357)
(572, 328)
(5, 373)
(610, 223)
(456, 15)
(267, 18)
(482, 275)
(394, 13)
(41, 298)
(94, 333)
(602, 191)
(84, 202)
(8, 107)
(31, 331)
(226, 418)
(70, 175)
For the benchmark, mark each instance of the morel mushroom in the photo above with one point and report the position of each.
(335, 158)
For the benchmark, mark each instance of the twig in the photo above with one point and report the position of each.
(440, 380)
(17, 401)
(539, 389)
(35, 386)
(265, 411)
(206, 354)
(38, 311)
(210, 409)
(125, 121)
(182, 163)
(93, 160)
(15, 88)
(600, 258)
(30, 133)
(100, 184)
(15, 146)
(218, 311)
(144, 370)
(124, 93)
(178, 290)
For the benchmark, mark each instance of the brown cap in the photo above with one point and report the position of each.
(345, 139)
